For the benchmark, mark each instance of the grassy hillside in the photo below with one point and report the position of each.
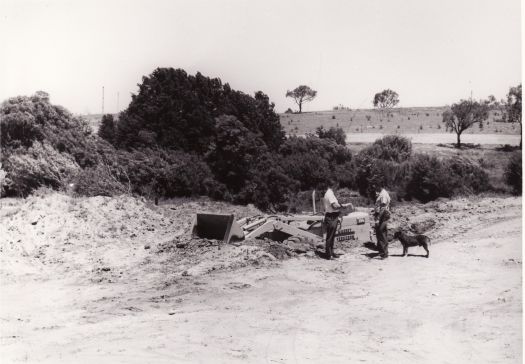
(402, 120)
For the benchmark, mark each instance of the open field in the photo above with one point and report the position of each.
(100, 280)
(416, 121)
(403, 120)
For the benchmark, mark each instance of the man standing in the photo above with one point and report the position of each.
(332, 210)
(382, 215)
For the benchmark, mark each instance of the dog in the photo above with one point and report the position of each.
(412, 240)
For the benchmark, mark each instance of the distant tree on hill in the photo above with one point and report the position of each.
(463, 115)
(513, 107)
(336, 134)
(386, 100)
(106, 130)
(301, 94)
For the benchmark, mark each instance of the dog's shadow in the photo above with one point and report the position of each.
(417, 255)
(409, 255)
(371, 255)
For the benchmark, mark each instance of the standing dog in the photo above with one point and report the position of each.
(414, 240)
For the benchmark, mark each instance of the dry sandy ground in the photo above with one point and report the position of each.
(113, 301)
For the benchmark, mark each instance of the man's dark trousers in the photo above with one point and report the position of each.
(381, 233)
(382, 243)
(331, 220)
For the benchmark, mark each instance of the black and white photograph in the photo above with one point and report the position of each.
(282, 181)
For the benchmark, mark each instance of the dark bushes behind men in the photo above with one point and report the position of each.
(181, 135)
(513, 173)
(186, 135)
(389, 162)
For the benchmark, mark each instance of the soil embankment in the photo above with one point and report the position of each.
(102, 280)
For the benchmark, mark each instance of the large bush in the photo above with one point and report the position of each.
(372, 173)
(175, 110)
(26, 119)
(390, 148)
(338, 135)
(389, 162)
(42, 144)
(37, 166)
(384, 163)
(268, 185)
(428, 179)
(235, 151)
(513, 173)
(431, 177)
(102, 180)
(312, 161)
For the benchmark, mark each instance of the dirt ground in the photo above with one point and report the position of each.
(106, 280)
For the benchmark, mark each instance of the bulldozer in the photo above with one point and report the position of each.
(353, 226)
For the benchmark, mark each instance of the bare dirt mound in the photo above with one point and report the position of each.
(102, 238)
(102, 279)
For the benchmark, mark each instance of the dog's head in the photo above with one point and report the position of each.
(397, 234)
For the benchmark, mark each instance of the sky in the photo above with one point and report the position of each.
(432, 53)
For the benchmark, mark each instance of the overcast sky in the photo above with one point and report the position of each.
(431, 52)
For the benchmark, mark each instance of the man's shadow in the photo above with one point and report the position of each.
(321, 254)
(371, 246)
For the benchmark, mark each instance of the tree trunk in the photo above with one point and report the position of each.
(458, 145)
(300, 107)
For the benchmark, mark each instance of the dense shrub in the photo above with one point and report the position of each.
(235, 151)
(312, 161)
(428, 179)
(26, 119)
(338, 135)
(431, 177)
(39, 165)
(190, 135)
(372, 172)
(513, 173)
(384, 163)
(3, 180)
(390, 148)
(102, 180)
(175, 110)
(106, 130)
(468, 176)
(42, 144)
(268, 185)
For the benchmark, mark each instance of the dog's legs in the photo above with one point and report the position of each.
(426, 248)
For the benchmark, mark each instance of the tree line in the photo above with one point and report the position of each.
(184, 135)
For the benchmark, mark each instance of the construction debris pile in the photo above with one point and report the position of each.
(110, 239)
